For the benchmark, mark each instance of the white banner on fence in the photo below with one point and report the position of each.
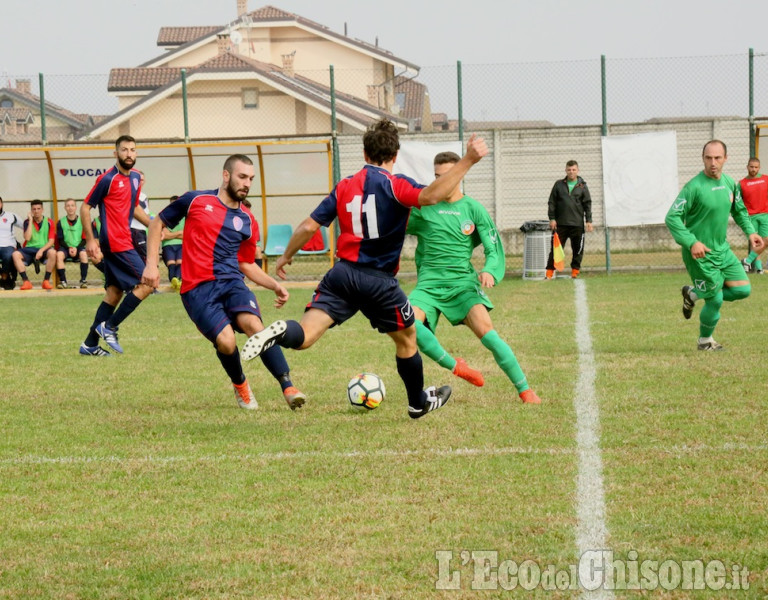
(639, 177)
(416, 159)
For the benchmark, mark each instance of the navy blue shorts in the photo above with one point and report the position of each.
(28, 254)
(215, 304)
(348, 288)
(172, 252)
(65, 250)
(123, 269)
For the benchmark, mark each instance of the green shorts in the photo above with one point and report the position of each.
(709, 273)
(453, 302)
(760, 223)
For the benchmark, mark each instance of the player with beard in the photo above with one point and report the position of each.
(212, 268)
(116, 196)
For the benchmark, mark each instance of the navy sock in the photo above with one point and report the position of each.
(293, 336)
(274, 359)
(62, 273)
(47, 275)
(232, 365)
(411, 371)
(83, 271)
(24, 276)
(127, 306)
(102, 314)
(100, 266)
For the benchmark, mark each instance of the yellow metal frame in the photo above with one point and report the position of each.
(48, 151)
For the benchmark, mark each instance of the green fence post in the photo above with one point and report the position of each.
(334, 133)
(461, 103)
(42, 110)
(604, 93)
(751, 102)
(184, 103)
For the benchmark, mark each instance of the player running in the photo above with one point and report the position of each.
(448, 284)
(223, 246)
(373, 208)
(116, 195)
(698, 220)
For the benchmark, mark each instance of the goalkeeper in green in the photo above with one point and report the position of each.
(448, 284)
(698, 220)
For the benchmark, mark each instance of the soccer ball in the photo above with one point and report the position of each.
(365, 391)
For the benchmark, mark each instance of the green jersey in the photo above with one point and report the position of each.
(175, 241)
(700, 212)
(448, 232)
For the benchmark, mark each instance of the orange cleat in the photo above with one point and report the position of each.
(244, 396)
(574, 273)
(47, 285)
(529, 397)
(550, 273)
(463, 370)
(27, 285)
(294, 397)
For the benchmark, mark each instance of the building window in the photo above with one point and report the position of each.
(6, 103)
(250, 98)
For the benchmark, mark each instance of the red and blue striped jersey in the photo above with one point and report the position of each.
(115, 195)
(373, 207)
(216, 237)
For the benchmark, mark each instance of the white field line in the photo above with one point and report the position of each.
(591, 530)
(153, 459)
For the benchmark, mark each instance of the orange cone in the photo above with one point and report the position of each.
(558, 254)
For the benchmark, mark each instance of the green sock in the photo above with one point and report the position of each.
(506, 359)
(710, 315)
(428, 344)
(740, 292)
(758, 265)
(752, 256)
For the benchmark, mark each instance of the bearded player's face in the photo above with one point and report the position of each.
(240, 180)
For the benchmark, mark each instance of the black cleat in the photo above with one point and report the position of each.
(687, 302)
(263, 340)
(436, 398)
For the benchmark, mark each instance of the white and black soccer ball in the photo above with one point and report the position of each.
(365, 391)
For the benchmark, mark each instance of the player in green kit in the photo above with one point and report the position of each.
(698, 220)
(448, 284)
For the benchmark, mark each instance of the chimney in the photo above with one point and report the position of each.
(223, 43)
(24, 86)
(373, 95)
(242, 7)
(288, 63)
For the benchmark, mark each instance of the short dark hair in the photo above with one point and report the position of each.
(571, 163)
(381, 141)
(123, 138)
(751, 159)
(36, 203)
(725, 148)
(445, 158)
(229, 164)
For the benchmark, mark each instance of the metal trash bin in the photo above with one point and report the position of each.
(538, 238)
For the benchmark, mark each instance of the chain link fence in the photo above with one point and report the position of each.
(535, 117)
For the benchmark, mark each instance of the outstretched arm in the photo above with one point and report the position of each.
(259, 277)
(441, 187)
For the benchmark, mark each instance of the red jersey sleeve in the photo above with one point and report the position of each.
(406, 190)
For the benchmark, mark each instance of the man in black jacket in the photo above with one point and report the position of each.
(570, 205)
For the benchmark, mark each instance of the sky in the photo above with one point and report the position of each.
(528, 49)
(93, 36)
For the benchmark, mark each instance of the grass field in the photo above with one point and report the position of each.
(138, 477)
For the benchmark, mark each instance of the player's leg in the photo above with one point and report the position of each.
(550, 273)
(61, 269)
(479, 321)
(90, 346)
(83, 255)
(21, 258)
(126, 269)
(248, 320)
(49, 257)
(229, 357)
(708, 319)
(735, 285)
(577, 248)
(429, 344)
